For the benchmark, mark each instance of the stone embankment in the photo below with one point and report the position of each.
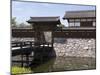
(78, 47)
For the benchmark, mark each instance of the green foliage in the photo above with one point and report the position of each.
(20, 70)
(13, 22)
(22, 25)
(61, 26)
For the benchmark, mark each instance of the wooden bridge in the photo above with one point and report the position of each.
(25, 50)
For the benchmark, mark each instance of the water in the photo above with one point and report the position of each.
(65, 64)
(42, 61)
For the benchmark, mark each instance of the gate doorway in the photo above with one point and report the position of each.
(44, 28)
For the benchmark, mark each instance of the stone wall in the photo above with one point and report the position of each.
(78, 47)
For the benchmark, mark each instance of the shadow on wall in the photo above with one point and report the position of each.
(60, 40)
(46, 67)
(42, 55)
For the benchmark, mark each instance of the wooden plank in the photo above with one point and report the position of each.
(22, 51)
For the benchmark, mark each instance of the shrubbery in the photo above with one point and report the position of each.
(19, 70)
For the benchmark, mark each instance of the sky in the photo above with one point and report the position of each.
(24, 10)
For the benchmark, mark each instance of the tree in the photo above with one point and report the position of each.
(22, 25)
(61, 25)
(13, 22)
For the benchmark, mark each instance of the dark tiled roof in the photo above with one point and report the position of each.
(80, 14)
(44, 19)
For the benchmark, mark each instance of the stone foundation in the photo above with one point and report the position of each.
(77, 47)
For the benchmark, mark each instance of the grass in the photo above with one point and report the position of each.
(19, 70)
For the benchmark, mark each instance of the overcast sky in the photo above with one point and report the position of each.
(24, 10)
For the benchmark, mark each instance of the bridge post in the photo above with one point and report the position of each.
(21, 53)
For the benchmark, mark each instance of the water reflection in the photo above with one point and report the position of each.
(42, 56)
(65, 64)
(45, 60)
